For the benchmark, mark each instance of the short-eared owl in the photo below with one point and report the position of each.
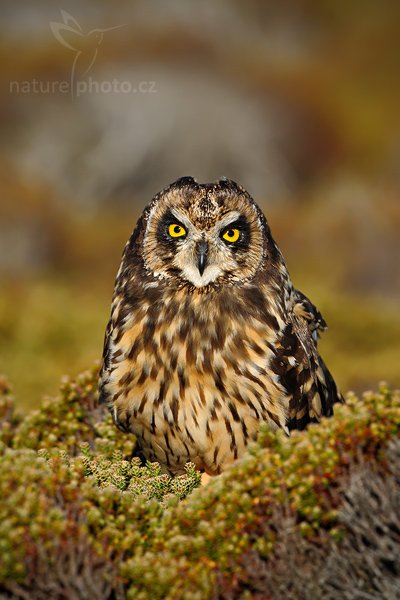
(207, 336)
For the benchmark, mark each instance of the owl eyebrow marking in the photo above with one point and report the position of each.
(171, 216)
(229, 219)
(240, 222)
(176, 214)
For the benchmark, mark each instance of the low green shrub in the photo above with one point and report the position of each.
(72, 418)
(81, 518)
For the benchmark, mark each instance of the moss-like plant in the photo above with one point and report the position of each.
(81, 517)
(72, 418)
(9, 416)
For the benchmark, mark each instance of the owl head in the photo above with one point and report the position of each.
(202, 235)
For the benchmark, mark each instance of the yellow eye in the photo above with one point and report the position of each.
(176, 230)
(231, 235)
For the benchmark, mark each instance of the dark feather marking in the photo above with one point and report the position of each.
(189, 435)
(230, 431)
(239, 346)
(207, 366)
(142, 403)
(256, 304)
(257, 349)
(170, 311)
(182, 382)
(163, 341)
(166, 438)
(244, 430)
(251, 405)
(128, 421)
(161, 393)
(148, 333)
(183, 331)
(119, 333)
(238, 396)
(217, 404)
(134, 350)
(125, 310)
(234, 412)
(303, 376)
(273, 417)
(256, 380)
(174, 406)
(173, 360)
(190, 355)
(120, 392)
(230, 306)
(218, 379)
(143, 376)
(126, 379)
(218, 339)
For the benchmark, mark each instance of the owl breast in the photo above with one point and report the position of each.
(191, 376)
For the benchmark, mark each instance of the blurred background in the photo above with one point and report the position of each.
(105, 103)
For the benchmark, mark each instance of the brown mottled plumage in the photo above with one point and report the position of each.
(207, 336)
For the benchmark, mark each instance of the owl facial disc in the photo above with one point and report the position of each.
(203, 235)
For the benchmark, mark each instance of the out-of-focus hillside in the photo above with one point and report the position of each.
(297, 101)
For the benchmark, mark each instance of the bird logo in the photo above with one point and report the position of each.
(85, 44)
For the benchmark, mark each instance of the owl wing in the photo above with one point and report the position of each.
(303, 307)
(106, 361)
(111, 352)
(106, 357)
(311, 388)
(120, 311)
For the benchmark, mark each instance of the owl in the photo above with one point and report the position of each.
(208, 338)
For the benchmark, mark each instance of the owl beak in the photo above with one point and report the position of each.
(202, 250)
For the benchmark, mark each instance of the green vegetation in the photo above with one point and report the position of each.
(81, 518)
